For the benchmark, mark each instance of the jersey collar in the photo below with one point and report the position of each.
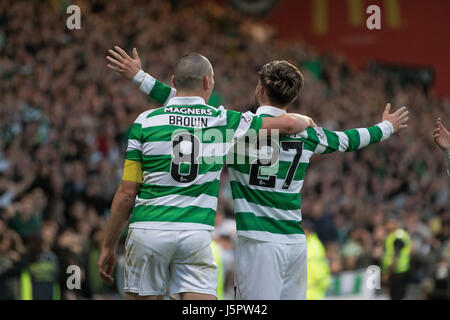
(185, 101)
(270, 111)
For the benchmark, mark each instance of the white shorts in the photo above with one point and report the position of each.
(270, 270)
(180, 261)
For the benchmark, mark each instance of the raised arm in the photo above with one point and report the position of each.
(130, 68)
(327, 141)
(442, 139)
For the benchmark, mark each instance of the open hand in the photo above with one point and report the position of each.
(441, 135)
(122, 63)
(398, 118)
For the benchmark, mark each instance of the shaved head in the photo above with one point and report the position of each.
(190, 71)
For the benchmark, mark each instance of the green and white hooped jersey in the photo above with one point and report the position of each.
(267, 197)
(182, 147)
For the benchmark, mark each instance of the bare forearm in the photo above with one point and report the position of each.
(287, 123)
(121, 208)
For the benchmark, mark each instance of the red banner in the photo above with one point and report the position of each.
(413, 32)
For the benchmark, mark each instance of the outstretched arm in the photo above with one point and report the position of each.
(130, 68)
(327, 141)
(442, 139)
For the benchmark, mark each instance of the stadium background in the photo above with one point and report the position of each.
(64, 119)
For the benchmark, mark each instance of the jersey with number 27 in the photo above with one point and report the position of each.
(267, 194)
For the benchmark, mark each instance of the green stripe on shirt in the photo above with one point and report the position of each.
(160, 92)
(249, 221)
(375, 134)
(353, 139)
(134, 155)
(150, 191)
(191, 214)
(279, 200)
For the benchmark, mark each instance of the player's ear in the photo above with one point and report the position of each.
(262, 91)
(173, 82)
(206, 83)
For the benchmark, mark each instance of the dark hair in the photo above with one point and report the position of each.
(282, 81)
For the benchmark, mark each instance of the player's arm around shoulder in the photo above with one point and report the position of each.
(288, 123)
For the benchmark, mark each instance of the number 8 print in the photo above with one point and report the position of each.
(179, 156)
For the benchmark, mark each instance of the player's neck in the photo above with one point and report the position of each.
(282, 108)
(264, 101)
(192, 94)
(274, 106)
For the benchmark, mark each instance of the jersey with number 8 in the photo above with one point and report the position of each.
(182, 148)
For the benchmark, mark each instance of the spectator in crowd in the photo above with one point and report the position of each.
(442, 139)
(11, 251)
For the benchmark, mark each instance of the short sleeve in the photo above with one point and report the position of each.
(132, 170)
(134, 147)
(245, 122)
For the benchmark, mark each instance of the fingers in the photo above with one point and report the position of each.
(117, 56)
(388, 108)
(436, 136)
(404, 120)
(437, 123)
(135, 54)
(313, 124)
(437, 130)
(401, 110)
(436, 133)
(122, 52)
(106, 275)
(117, 69)
(441, 126)
(403, 117)
(114, 61)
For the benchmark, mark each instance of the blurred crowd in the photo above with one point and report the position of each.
(64, 119)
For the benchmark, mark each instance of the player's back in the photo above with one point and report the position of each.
(266, 185)
(182, 148)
